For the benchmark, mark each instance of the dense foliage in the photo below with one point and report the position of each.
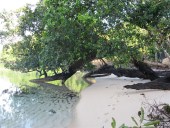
(59, 34)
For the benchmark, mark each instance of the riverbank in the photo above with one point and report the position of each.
(108, 98)
(45, 107)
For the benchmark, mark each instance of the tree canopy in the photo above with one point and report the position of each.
(66, 35)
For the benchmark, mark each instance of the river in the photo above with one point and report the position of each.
(26, 105)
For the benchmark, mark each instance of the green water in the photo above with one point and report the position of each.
(21, 80)
(27, 105)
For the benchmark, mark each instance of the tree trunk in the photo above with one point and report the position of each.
(45, 73)
(145, 69)
(156, 65)
(160, 83)
(77, 65)
(105, 70)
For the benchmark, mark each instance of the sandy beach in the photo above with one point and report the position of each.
(108, 98)
(53, 107)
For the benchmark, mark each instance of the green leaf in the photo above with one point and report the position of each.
(133, 119)
(113, 123)
(142, 115)
(156, 122)
(123, 126)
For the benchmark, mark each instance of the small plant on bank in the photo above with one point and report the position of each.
(160, 112)
(138, 124)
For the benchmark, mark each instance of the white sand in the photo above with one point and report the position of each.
(107, 98)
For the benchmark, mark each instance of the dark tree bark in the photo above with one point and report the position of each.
(45, 73)
(108, 70)
(161, 79)
(160, 83)
(129, 73)
(145, 69)
(105, 70)
(165, 73)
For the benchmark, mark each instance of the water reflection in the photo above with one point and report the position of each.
(47, 107)
(6, 91)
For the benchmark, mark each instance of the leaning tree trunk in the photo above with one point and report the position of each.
(145, 69)
(45, 73)
(157, 83)
(73, 68)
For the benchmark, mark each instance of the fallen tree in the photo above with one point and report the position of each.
(108, 70)
(159, 79)
(145, 69)
(142, 70)
(160, 83)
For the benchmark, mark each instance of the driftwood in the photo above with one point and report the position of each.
(145, 69)
(129, 73)
(161, 79)
(163, 73)
(108, 70)
(105, 70)
(160, 83)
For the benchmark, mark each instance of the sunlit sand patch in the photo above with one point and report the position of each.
(108, 98)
